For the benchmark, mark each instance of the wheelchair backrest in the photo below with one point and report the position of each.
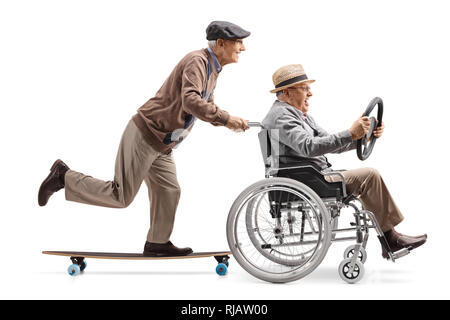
(269, 144)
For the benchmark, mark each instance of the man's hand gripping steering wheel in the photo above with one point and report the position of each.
(366, 130)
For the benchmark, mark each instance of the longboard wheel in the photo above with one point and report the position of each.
(221, 269)
(74, 270)
(83, 265)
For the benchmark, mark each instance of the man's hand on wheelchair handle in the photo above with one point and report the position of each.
(237, 124)
(360, 128)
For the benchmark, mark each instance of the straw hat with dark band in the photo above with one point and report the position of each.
(289, 76)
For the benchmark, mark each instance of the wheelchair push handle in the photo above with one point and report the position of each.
(255, 124)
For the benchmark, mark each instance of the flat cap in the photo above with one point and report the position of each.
(225, 30)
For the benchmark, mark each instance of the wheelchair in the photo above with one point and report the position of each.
(279, 229)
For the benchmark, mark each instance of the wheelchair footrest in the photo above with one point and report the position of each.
(401, 253)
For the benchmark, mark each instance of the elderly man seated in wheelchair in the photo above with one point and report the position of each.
(291, 217)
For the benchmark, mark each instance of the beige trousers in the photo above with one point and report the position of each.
(136, 161)
(368, 184)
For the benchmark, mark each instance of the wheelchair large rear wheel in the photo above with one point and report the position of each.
(262, 230)
(278, 230)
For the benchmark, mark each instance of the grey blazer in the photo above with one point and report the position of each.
(301, 139)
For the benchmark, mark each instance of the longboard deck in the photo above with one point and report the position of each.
(133, 256)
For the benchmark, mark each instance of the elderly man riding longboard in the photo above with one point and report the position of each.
(145, 150)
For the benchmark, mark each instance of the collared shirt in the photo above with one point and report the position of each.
(301, 139)
(312, 128)
(216, 62)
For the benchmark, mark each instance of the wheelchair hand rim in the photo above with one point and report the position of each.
(293, 260)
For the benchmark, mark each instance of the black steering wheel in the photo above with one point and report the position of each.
(362, 149)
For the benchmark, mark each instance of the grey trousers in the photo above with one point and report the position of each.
(136, 161)
(368, 184)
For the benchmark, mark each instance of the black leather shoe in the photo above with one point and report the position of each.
(164, 250)
(53, 182)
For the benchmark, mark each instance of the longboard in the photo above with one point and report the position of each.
(79, 258)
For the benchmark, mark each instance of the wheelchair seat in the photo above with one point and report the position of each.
(304, 171)
(313, 178)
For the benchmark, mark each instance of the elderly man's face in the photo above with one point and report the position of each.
(298, 96)
(228, 50)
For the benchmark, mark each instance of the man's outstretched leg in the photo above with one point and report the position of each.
(368, 184)
(133, 161)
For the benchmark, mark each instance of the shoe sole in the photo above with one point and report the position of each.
(165, 254)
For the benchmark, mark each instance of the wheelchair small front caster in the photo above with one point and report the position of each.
(349, 274)
(350, 251)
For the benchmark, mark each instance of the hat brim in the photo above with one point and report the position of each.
(291, 85)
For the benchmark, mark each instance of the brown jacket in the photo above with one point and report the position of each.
(168, 117)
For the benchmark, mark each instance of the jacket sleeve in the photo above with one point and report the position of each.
(211, 100)
(322, 133)
(193, 83)
(293, 134)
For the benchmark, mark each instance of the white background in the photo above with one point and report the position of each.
(72, 73)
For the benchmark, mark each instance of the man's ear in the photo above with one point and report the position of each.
(220, 42)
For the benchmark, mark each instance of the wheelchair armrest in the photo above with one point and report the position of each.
(338, 173)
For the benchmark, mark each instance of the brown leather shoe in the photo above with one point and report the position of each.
(53, 182)
(415, 237)
(164, 249)
(398, 241)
